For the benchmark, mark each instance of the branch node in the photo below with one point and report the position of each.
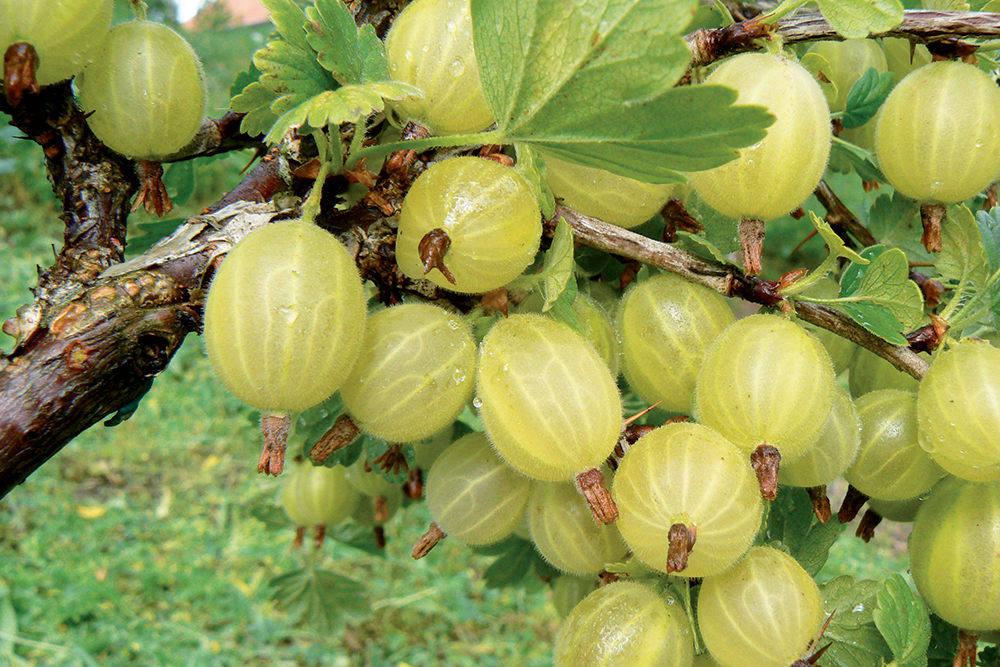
(274, 428)
(820, 503)
(429, 540)
(343, 432)
(852, 504)
(681, 539)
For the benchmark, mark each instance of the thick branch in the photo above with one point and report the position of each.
(729, 281)
(920, 25)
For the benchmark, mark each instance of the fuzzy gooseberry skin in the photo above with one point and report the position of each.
(667, 324)
(318, 496)
(430, 47)
(774, 176)
(953, 553)
(474, 496)
(415, 373)
(890, 463)
(766, 380)
(488, 212)
(625, 624)
(619, 200)
(548, 401)
(687, 473)
(834, 451)
(564, 531)
(937, 137)
(65, 33)
(285, 317)
(762, 612)
(958, 410)
(146, 89)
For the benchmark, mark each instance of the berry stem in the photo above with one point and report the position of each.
(591, 484)
(820, 502)
(274, 427)
(866, 528)
(20, 62)
(852, 504)
(429, 540)
(343, 432)
(752, 242)
(381, 509)
(766, 460)
(931, 215)
(966, 654)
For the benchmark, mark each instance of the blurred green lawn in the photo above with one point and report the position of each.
(136, 544)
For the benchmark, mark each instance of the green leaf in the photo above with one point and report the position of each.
(348, 104)
(290, 20)
(319, 598)
(693, 243)
(866, 97)
(895, 222)
(517, 557)
(352, 55)
(557, 271)
(857, 18)
(834, 243)
(562, 309)
(855, 641)
(272, 516)
(989, 229)
(292, 73)
(962, 258)
(791, 521)
(595, 86)
(361, 538)
(820, 68)
(861, 160)
(880, 296)
(255, 101)
(902, 618)
(533, 170)
(944, 640)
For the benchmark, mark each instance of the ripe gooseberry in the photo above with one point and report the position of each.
(145, 91)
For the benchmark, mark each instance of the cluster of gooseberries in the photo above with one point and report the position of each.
(140, 83)
(286, 327)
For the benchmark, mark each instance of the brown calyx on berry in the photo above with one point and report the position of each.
(820, 503)
(766, 460)
(429, 540)
(413, 487)
(20, 62)
(752, 242)
(343, 432)
(274, 427)
(432, 248)
(931, 215)
(967, 649)
(380, 509)
(866, 528)
(681, 539)
(591, 484)
(852, 504)
(152, 191)
(392, 459)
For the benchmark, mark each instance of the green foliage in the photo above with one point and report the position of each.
(317, 597)
(902, 618)
(326, 71)
(517, 558)
(866, 97)
(605, 98)
(855, 640)
(790, 521)
(859, 18)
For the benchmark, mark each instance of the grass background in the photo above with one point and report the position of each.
(137, 544)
